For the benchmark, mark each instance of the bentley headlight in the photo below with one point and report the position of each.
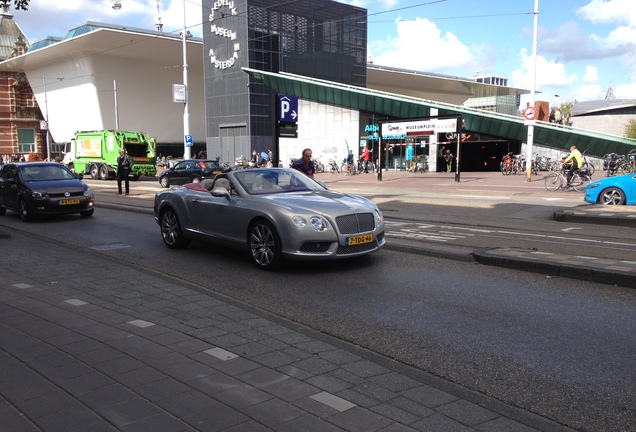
(318, 223)
(299, 221)
(379, 218)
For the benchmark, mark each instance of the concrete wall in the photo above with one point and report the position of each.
(608, 124)
(80, 96)
(329, 131)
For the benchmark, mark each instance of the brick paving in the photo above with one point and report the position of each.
(136, 351)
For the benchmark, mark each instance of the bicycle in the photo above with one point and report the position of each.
(613, 164)
(558, 180)
(333, 166)
(371, 167)
(587, 165)
(349, 169)
(518, 164)
(318, 166)
(419, 164)
(353, 169)
(627, 164)
(343, 166)
(631, 158)
(506, 164)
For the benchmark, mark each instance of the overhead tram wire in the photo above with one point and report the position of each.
(455, 17)
(175, 32)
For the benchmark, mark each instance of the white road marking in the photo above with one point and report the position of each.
(447, 233)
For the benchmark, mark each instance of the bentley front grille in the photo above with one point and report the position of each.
(355, 223)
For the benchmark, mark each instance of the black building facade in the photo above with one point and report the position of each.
(316, 38)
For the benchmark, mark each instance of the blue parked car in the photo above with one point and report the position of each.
(616, 190)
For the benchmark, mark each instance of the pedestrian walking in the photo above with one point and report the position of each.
(366, 155)
(448, 158)
(124, 167)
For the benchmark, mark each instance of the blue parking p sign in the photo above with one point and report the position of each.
(188, 140)
(287, 108)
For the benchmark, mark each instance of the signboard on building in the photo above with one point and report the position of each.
(287, 108)
(401, 130)
(288, 130)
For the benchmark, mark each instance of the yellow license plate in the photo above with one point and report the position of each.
(357, 240)
(68, 202)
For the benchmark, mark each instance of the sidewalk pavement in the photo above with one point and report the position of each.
(134, 350)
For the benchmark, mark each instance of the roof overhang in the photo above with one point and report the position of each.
(448, 89)
(403, 107)
(125, 44)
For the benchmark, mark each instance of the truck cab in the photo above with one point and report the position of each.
(69, 154)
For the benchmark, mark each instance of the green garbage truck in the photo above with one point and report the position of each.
(96, 152)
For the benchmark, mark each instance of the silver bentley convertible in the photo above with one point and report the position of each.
(275, 213)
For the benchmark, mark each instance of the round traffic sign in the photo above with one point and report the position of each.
(529, 113)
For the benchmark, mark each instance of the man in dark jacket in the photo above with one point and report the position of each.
(124, 167)
(305, 164)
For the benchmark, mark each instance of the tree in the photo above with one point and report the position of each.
(566, 108)
(19, 4)
(630, 128)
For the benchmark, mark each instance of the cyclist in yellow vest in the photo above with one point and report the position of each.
(577, 162)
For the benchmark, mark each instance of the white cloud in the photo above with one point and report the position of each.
(55, 18)
(609, 12)
(172, 17)
(589, 92)
(591, 74)
(548, 73)
(419, 45)
(388, 4)
(625, 91)
(621, 36)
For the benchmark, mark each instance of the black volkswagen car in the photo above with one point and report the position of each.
(47, 188)
(190, 171)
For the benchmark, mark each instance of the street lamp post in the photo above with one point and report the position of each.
(186, 115)
(116, 4)
(116, 105)
(532, 93)
(46, 119)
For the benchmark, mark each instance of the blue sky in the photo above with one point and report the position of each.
(583, 47)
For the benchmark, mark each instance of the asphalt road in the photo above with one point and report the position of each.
(561, 348)
(484, 210)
